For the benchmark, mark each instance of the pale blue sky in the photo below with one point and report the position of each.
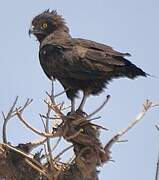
(128, 26)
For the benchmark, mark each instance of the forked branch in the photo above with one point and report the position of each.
(146, 107)
(77, 129)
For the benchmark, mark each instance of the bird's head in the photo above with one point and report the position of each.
(46, 23)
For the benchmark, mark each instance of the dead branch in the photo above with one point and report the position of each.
(35, 144)
(146, 106)
(157, 168)
(7, 118)
(55, 108)
(53, 104)
(38, 166)
(100, 107)
(52, 97)
(48, 139)
(37, 169)
(63, 151)
(56, 134)
(59, 94)
(76, 128)
(56, 144)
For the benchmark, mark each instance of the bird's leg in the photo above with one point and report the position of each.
(80, 108)
(72, 105)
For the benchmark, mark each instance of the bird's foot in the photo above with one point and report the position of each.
(82, 113)
(71, 113)
(77, 112)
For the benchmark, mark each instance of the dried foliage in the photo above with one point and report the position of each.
(19, 163)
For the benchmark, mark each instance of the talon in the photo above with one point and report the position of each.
(71, 113)
(82, 113)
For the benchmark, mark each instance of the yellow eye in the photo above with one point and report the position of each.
(44, 25)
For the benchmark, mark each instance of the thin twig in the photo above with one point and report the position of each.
(92, 124)
(35, 130)
(98, 126)
(59, 94)
(27, 103)
(6, 119)
(61, 105)
(71, 160)
(65, 108)
(95, 118)
(51, 118)
(122, 141)
(157, 168)
(45, 156)
(146, 106)
(41, 117)
(48, 139)
(22, 108)
(157, 127)
(55, 108)
(52, 98)
(52, 91)
(63, 151)
(38, 143)
(57, 143)
(99, 108)
(154, 105)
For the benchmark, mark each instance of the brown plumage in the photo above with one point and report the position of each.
(78, 64)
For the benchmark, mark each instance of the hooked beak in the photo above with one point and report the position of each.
(31, 31)
(34, 31)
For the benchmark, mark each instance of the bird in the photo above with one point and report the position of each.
(78, 64)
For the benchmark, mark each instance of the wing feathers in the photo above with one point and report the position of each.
(87, 60)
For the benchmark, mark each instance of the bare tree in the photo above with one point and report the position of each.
(19, 163)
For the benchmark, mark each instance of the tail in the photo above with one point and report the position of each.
(130, 70)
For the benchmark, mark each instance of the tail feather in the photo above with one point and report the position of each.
(130, 70)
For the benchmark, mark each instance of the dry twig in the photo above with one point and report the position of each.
(146, 106)
(75, 128)
(63, 151)
(157, 168)
(100, 107)
(56, 134)
(47, 131)
(7, 118)
(36, 164)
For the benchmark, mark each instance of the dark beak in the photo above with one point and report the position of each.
(30, 32)
(34, 31)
